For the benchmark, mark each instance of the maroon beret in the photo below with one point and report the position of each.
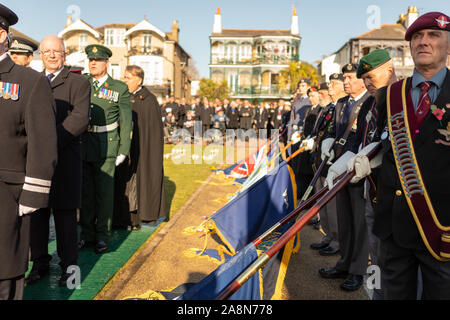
(430, 20)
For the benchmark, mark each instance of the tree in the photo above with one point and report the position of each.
(192, 70)
(295, 72)
(212, 89)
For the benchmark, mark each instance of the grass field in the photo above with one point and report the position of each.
(182, 176)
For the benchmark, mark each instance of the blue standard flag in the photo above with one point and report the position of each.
(241, 221)
(256, 209)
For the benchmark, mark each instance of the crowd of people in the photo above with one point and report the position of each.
(93, 143)
(222, 115)
(393, 135)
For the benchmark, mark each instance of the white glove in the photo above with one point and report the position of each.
(25, 210)
(308, 144)
(360, 163)
(120, 158)
(325, 148)
(295, 137)
(338, 168)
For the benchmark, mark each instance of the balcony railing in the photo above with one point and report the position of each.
(145, 50)
(261, 59)
(272, 90)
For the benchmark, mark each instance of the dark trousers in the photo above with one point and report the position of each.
(98, 200)
(399, 267)
(12, 289)
(66, 237)
(352, 230)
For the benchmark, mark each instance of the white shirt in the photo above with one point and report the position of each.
(360, 96)
(3, 56)
(54, 73)
(102, 80)
(137, 90)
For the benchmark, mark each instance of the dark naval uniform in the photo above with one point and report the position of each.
(72, 96)
(28, 141)
(109, 135)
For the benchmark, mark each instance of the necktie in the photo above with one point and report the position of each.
(95, 83)
(424, 102)
(348, 108)
(50, 76)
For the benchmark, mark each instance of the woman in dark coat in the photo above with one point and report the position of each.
(144, 194)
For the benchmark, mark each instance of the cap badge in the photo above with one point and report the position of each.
(442, 22)
(94, 50)
(349, 67)
(366, 66)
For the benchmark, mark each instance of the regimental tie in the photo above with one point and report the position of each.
(424, 104)
(95, 83)
(50, 77)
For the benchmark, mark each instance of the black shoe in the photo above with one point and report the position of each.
(352, 283)
(101, 247)
(36, 275)
(328, 251)
(333, 273)
(83, 244)
(313, 221)
(62, 282)
(319, 245)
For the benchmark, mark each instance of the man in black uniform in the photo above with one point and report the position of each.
(72, 96)
(21, 51)
(412, 217)
(350, 203)
(28, 141)
(303, 170)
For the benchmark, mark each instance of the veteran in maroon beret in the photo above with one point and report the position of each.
(412, 218)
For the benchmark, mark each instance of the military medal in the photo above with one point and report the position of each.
(15, 91)
(2, 84)
(6, 94)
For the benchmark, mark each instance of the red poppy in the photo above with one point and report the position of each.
(328, 117)
(106, 84)
(438, 113)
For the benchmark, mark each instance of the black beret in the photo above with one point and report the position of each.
(7, 17)
(323, 86)
(349, 67)
(312, 89)
(307, 81)
(337, 76)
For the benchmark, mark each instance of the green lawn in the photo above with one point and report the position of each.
(182, 175)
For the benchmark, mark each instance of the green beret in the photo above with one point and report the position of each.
(372, 61)
(97, 51)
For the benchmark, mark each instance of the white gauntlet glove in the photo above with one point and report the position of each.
(308, 144)
(360, 163)
(295, 137)
(25, 210)
(325, 148)
(120, 158)
(338, 168)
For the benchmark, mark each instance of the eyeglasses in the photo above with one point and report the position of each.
(47, 53)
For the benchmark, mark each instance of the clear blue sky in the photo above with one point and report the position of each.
(325, 25)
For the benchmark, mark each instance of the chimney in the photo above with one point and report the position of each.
(294, 24)
(175, 30)
(217, 28)
(411, 16)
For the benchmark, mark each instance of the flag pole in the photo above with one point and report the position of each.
(239, 281)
